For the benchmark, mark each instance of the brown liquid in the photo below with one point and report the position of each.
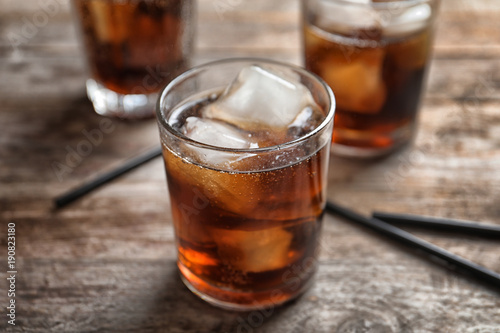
(248, 238)
(134, 46)
(377, 82)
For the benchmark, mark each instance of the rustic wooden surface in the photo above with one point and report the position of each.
(107, 262)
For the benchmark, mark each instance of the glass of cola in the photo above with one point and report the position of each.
(133, 49)
(374, 54)
(246, 147)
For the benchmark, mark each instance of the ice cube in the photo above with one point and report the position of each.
(237, 194)
(410, 21)
(346, 19)
(411, 53)
(216, 133)
(111, 21)
(101, 13)
(306, 121)
(358, 85)
(254, 251)
(261, 98)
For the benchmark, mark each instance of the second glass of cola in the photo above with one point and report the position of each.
(374, 54)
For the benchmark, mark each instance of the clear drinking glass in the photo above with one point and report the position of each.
(374, 55)
(247, 220)
(133, 49)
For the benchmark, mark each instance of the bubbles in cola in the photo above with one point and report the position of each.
(262, 107)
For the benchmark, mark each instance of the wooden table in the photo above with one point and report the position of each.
(107, 262)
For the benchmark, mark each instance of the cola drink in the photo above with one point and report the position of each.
(377, 70)
(247, 214)
(133, 47)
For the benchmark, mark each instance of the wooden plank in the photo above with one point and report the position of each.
(132, 295)
(107, 262)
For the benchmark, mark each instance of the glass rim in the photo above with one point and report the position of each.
(383, 4)
(202, 67)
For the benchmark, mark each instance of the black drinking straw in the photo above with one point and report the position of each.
(78, 192)
(406, 238)
(439, 223)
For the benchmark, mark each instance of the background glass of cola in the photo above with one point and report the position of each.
(246, 148)
(374, 55)
(133, 49)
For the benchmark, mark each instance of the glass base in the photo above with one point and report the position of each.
(361, 144)
(112, 104)
(237, 300)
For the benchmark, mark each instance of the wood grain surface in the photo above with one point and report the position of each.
(106, 263)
